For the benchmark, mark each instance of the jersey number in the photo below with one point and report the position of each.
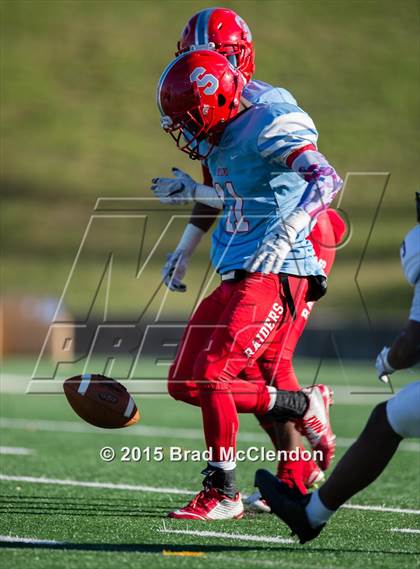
(235, 221)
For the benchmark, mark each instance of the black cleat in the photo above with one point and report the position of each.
(288, 504)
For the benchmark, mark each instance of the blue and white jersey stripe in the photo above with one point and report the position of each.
(289, 130)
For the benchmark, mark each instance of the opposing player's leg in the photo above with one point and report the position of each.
(361, 465)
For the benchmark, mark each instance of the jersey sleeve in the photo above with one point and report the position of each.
(290, 129)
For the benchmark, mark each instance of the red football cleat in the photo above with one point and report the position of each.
(315, 424)
(312, 475)
(292, 475)
(211, 504)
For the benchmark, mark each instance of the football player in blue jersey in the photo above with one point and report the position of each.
(225, 31)
(270, 182)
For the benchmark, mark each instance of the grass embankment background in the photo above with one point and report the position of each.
(80, 122)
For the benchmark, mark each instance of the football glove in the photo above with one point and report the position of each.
(178, 190)
(270, 256)
(182, 189)
(176, 265)
(174, 270)
(383, 367)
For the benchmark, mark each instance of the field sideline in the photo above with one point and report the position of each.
(62, 505)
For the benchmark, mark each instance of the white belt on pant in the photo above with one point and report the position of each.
(228, 276)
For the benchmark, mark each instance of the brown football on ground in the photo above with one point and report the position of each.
(101, 401)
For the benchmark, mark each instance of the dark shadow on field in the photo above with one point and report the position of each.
(204, 548)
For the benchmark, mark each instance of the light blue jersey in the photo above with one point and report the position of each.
(260, 190)
(261, 92)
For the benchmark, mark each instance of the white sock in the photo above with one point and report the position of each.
(316, 512)
(272, 391)
(223, 464)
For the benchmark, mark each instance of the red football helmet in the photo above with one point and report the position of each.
(226, 32)
(197, 94)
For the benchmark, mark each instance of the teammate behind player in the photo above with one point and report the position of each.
(225, 31)
(389, 423)
(271, 182)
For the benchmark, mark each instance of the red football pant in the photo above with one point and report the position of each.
(231, 330)
(226, 381)
(276, 363)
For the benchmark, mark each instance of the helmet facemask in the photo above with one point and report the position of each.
(189, 129)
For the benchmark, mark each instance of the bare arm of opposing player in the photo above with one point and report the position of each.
(405, 351)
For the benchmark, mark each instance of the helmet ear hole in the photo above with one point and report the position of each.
(221, 100)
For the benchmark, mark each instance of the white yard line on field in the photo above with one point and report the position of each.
(30, 540)
(233, 536)
(88, 484)
(16, 450)
(150, 431)
(405, 530)
(359, 395)
(381, 509)
(158, 490)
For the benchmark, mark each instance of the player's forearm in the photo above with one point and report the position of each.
(203, 216)
(405, 351)
(190, 239)
(208, 201)
(208, 196)
(323, 181)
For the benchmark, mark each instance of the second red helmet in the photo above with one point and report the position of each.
(226, 32)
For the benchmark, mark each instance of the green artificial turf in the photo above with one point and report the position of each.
(109, 527)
